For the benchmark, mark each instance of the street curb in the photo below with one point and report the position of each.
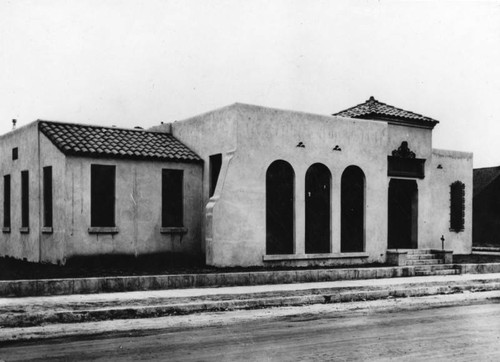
(149, 325)
(46, 287)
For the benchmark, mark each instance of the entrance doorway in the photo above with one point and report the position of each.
(280, 179)
(352, 213)
(403, 214)
(317, 197)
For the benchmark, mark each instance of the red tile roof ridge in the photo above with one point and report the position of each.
(98, 126)
(373, 107)
(114, 142)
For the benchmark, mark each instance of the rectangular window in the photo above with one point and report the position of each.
(14, 153)
(47, 196)
(215, 163)
(25, 199)
(102, 196)
(6, 201)
(172, 198)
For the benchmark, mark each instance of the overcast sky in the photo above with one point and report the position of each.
(130, 63)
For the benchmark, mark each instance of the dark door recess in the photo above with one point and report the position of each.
(318, 179)
(280, 208)
(352, 219)
(403, 214)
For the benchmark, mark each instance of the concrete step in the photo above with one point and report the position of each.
(435, 267)
(419, 251)
(420, 256)
(437, 272)
(447, 272)
(424, 262)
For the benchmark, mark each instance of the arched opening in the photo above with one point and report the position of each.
(352, 204)
(279, 208)
(317, 197)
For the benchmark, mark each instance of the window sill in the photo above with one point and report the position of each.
(47, 230)
(173, 230)
(103, 230)
(457, 230)
(6, 230)
(24, 230)
(314, 256)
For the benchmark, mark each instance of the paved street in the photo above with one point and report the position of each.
(468, 332)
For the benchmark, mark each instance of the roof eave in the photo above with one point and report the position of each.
(130, 157)
(70, 152)
(430, 124)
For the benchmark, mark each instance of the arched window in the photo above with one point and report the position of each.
(317, 197)
(352, 225)
(280, 179)
(457, 206)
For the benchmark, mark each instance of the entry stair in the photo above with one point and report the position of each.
(428, 262)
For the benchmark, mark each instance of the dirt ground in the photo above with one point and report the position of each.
(12, 269)
(161, 264)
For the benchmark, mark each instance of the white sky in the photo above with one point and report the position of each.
(129, 63)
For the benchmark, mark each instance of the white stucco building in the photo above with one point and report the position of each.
(71, 190)
(301, 189)
(261, 186)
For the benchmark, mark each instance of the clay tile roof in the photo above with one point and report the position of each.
(373, 109)
(95, 141)
(482, 177)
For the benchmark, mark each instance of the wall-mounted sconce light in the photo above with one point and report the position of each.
(440, 167)
(337, 148)
(301, 145)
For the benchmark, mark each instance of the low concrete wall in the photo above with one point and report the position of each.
(478, 268)
(396, 257)
(399, 257)
(26, 288)
(486, 248)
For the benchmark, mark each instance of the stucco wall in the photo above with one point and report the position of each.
(138, 204)
(53, 244)
(420, 142)
(137, 209)
(232, 222)
(265, 135)
(207, 134)
(16, 244)
(252, 137)
(419, 139)
(456, 166)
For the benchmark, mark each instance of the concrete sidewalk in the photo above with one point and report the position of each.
(35, 311)
(145, 326)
